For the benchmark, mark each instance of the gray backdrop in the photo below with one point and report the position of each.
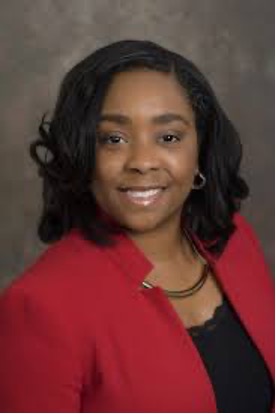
(232, 42)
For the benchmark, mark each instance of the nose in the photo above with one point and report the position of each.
(142, 157)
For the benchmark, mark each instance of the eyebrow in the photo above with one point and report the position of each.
(158, 119)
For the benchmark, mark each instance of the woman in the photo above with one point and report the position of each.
(154, 295)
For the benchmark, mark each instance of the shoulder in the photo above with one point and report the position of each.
(247, 234)
(243, 225)
(63, 279)
(245, 250)
(64, 260)
(59, 299)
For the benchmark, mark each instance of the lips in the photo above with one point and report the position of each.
(144, 196)
(142, 188)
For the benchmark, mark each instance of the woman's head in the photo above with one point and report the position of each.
(146, 150)
(95, 158)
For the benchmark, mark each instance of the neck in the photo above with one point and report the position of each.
(164, 244)
(161, 245)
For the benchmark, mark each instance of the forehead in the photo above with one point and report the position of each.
(146, 93)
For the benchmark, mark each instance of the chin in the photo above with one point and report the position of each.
(141, 224)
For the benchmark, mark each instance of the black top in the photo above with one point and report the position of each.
(240, 378)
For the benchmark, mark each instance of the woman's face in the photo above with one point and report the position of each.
(146, 151)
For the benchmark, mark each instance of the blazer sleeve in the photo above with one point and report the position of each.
(39, 372)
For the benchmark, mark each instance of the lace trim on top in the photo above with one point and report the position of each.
(209, 325)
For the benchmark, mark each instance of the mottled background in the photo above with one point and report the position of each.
(232, 41)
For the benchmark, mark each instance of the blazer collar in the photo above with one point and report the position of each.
(132, 260)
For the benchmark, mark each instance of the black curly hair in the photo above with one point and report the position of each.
(68, 143)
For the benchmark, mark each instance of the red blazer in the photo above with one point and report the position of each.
(77, 333)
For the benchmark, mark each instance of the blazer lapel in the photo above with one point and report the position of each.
(248, 288)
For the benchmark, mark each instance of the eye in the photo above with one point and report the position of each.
(170, 138)
(110, 139)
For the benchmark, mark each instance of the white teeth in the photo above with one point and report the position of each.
(143, 194)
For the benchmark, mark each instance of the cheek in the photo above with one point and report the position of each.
(184, 166)
(107, 169)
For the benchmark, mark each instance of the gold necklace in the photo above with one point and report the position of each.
(193, 289)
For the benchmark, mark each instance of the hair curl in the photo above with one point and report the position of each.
(68, 141)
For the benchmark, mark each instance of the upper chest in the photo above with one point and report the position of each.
(199, 306)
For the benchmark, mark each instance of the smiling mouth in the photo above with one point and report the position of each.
(143, 197)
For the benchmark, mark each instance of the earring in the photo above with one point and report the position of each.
(202, 182)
